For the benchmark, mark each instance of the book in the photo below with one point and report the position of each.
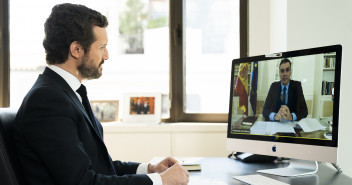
(192, 166)
(249, 120)
(310, 125)
(190, 163)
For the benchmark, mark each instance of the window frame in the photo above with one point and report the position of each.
(177, 63)
(177, 91)
(4, 54)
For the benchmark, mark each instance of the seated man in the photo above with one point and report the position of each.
(285, 100)
(58, 139)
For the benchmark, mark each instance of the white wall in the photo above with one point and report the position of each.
(323, 22)
(259, 32)
(308, 24)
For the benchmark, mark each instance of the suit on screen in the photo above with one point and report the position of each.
(295, 102)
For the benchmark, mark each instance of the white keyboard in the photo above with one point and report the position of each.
(258, 180)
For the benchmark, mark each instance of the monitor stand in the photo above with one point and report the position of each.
(297, 167)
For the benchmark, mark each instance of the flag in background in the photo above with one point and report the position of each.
(254, 83)
(241, 87)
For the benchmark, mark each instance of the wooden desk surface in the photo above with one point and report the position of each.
(224, 169)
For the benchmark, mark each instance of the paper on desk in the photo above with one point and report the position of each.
(310, 125)
(187, 160)
(271, 128)
(260, 127)
(202, 181)
(282, 127)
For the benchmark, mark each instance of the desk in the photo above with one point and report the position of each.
(224, 169)
(238, 127)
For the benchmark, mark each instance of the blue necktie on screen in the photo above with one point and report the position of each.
(284, 96)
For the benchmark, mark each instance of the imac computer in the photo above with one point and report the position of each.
(287, 105)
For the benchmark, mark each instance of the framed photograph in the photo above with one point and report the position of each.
(142, 108)
(106, 110)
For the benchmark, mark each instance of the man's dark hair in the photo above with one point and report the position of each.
(68, 23)
(285, 60)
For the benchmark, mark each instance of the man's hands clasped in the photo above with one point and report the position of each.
(171, 172)
(284, 114)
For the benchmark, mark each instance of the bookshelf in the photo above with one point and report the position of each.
(327, 71)
(328, 76)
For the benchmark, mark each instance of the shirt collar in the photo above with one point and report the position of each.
(287, 86)
(72, 81)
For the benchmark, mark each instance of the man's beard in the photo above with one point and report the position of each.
(88, 70)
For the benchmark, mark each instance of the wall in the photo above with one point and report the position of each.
(319, 23)
(141, 142)
(308, 24)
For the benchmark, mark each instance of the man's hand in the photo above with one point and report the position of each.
(285, 113)
(277, 116)
(162, 165)
(175, 175)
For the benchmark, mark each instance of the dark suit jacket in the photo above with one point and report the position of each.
(57, 143)
(295, 102)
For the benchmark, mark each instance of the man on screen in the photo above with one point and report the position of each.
(285, 100)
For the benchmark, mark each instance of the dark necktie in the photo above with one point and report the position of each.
(284, 96)
(82, 91)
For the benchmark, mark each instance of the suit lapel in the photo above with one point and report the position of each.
(290, 94)
(71, 94)
(278, 95)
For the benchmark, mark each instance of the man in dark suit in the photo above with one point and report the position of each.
(138, 107)
(146, 107)
(285, 100)
(58, 139)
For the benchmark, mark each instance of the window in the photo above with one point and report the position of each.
(214, 33)
(138, 35)
(211, 41)
(199, 37)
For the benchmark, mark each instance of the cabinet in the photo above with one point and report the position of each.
(142, 142)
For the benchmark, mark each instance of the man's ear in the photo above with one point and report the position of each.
(76, 50)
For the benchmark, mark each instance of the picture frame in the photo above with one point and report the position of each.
(105, 110)
(142, 108)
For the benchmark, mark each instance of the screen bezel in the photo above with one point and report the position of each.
(288, 54)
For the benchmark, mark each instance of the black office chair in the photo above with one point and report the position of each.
(10, 171)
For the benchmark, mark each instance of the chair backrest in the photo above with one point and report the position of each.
(10, 171)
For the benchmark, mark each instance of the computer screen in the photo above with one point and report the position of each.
(286, 104)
